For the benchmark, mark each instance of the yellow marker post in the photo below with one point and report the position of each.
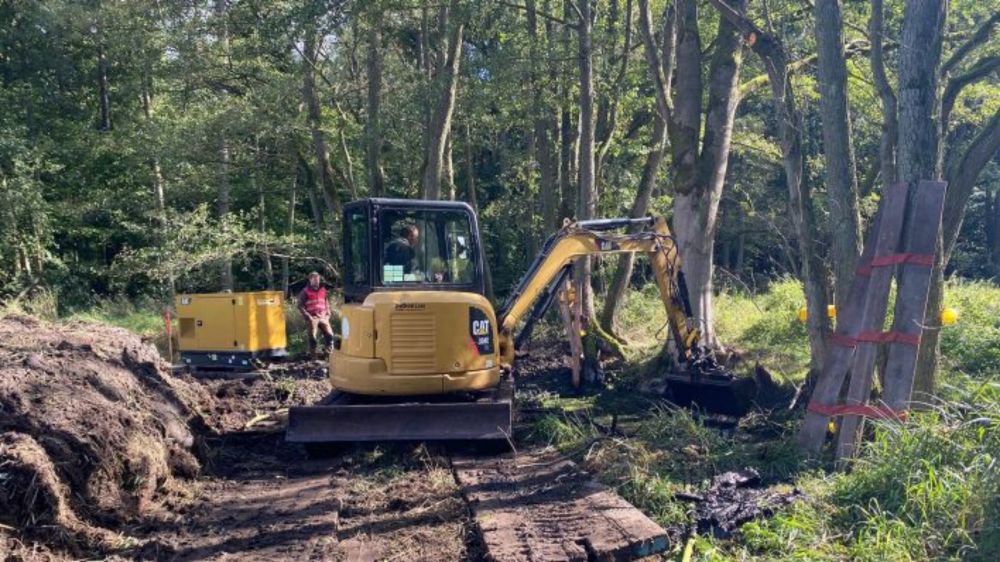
(803, 314)
(949, 316)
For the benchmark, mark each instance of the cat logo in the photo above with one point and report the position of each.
(480, 331)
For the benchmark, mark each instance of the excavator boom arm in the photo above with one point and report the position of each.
(587, 238)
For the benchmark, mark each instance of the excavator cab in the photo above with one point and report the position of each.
(407, 245)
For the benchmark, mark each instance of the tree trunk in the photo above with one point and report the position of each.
(446, 81)
(586, 202)
(701, 177)
(348, 176)
(311, 192)
(323, 163)
(813, 275)
(962, 176)
(917, 147)
(567, 196)
(567, 133)
(542, 126)
(262, 225)
(289, 229)
(159, 194)
(887, 142)
(838, 147)
(607, 111)
(373, 126)
(102, 85)
(222, 210)
(223, 187)
(659, 62)
(473, 199)
(657, 149)
(449, 168)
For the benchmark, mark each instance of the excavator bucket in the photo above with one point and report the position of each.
(346, 418)
(714, 394)
(708, 387)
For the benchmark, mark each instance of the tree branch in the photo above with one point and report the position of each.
(852, 49)
(890, 125)
(653, 62)
(981, 35)
(962, 176)
(982, 68)
(540, 14)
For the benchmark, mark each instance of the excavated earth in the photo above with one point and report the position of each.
(106, 453)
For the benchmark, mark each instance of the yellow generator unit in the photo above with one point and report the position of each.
(231, 330)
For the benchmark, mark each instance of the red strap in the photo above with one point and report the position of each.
(889, 337)
(865, 269)
(926, 260)
(866, 410)
(843, 340)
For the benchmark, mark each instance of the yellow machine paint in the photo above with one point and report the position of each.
(415, 342)
(230, 329)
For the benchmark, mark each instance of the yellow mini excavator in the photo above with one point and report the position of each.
(423, 355)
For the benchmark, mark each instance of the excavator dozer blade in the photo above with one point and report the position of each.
(351, 419)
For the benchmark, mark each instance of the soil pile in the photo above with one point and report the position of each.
(93, 430)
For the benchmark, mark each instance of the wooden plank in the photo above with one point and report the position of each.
(542, 508)
(911, 303)
(812, 432)
(914, 283)
(872, 318)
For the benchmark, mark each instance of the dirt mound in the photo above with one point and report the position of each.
(93, 429)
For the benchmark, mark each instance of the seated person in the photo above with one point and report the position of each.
(402, 249)
(439, 271)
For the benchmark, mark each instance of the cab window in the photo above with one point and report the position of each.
(427, 247)
(356, 260)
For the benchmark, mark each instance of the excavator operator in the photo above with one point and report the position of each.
(402, 250)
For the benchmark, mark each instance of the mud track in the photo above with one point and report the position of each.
(271, 503)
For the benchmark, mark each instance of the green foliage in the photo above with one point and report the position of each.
(765, 327)
(972, 345)
(144, 318)
(934, 479)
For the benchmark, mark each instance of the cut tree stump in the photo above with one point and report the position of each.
(542, 508)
